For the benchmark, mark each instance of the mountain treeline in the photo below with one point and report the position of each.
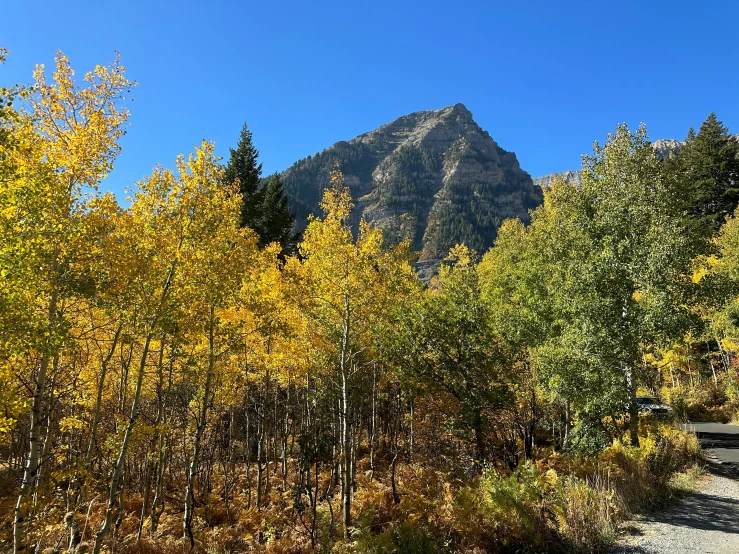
(174, 377)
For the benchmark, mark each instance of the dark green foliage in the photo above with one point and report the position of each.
(420, 167)
(401, 538)
(276, 219)
(265, 206)
(355, 158)
(244, 168)
(471, 214)
(708, 165)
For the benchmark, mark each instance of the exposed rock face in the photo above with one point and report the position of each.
(546, 181)
(434, 178)
(664, 147)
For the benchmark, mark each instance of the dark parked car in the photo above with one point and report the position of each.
(649, 405)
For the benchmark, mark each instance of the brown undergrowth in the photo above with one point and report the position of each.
(560, 503)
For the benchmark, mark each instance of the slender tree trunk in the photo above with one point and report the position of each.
(633, 406)
(115, 478)
(566, 437)
(32, 466)
(99, 396)
(157, 505)
(411, 437)
(724, 355)
(713, 369)
(202, 420)
(260, 454)
(393, 464)
(529, 438)
(147, 494)
(346, 461)
(373, 423)
(95, 423)
(49, 435)
(121, 502)
(345, 426)
(285, 431)
(248, 448)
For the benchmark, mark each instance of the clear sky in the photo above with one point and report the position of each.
(545, 78)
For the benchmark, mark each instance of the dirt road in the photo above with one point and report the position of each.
(707, 521)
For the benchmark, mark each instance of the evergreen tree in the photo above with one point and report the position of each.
(276, 220)
(243, 166)
(709, 165)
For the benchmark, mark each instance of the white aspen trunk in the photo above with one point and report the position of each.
(202, 420)
(346, 470)
(32, 466)
(48, 437)
(373, 423)
(99, 396)
(633, 407)
(157, 505)
(95, 424)
(260, 453)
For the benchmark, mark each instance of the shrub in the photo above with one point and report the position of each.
(586, 515)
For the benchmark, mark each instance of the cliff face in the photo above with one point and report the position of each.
(571, 176)
(434, 177)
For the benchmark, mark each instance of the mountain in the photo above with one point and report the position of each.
(433, 177)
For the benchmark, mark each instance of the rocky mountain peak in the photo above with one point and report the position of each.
(435, 178)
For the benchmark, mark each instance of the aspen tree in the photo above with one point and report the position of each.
(65, 141)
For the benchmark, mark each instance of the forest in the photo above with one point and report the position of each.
(181, 373)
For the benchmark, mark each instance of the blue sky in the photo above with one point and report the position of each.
(544, 78)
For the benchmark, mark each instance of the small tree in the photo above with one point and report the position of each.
(608, 268)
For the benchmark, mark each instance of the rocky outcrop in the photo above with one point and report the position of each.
(665, 147)
(434, 178)
(546, 181)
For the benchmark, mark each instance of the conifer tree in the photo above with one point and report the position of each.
(264, 206)
(243, 166)
(276, 219)
(709, 165)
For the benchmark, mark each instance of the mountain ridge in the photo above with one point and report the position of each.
(433, 177)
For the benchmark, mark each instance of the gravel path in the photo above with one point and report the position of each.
(707, 521)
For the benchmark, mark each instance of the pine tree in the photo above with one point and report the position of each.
(276, 219)
(709, 164)
(243, 166)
